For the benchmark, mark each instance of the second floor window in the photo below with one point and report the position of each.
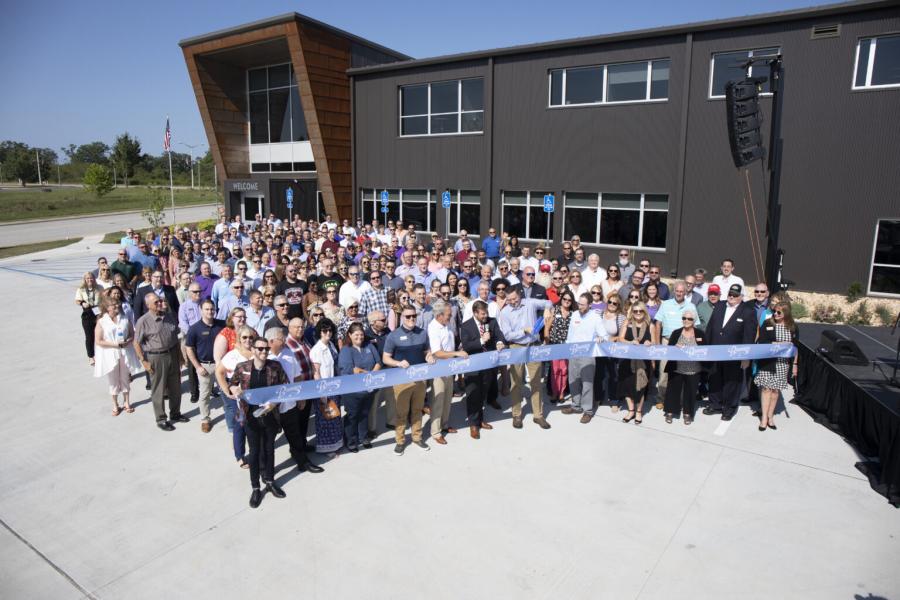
(442, 108)
(877, 62)
(274, 108)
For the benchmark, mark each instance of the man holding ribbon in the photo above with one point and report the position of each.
(480, 334)
(517, 322)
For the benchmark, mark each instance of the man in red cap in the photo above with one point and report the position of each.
(705, 308)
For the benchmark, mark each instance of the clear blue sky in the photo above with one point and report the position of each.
(74, 72)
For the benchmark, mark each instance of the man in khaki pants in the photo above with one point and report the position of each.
(443, 345)
(517, 320)
(404, 347)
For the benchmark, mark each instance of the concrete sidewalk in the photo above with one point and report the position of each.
(96, 506)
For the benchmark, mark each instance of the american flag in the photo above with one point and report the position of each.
(168, 140)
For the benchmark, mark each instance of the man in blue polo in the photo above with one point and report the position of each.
(199, 349)
(405, 346)
(491, 245)
(668, 319)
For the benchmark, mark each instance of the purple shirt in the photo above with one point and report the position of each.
(206, 285)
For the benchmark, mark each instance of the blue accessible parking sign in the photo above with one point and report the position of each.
(445, 199)
(549, 203)
(290, 198)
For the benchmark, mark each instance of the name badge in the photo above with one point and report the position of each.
(769, 328)
(740, 320)
(403, 338)
(204, 333)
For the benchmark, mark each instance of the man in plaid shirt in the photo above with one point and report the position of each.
(374, 298)
(295, 344)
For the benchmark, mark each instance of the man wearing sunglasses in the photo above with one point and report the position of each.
(732, 322)
(626, 267)
(405, 346)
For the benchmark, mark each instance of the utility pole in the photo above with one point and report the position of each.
(191, 146)
(115, 177)
(38, 159)
(58, 178)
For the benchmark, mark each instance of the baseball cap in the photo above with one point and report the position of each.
(735, 289)
(714, 289)
(545, 268)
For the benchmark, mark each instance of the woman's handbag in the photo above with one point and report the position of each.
(330, 409)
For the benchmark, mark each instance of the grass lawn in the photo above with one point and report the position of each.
(29, 248)
(32, 203)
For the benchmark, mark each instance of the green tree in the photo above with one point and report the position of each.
(126, 154)
(98, 180)
(18, 161)
(93, 152)
(156, 208)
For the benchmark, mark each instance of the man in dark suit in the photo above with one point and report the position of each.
(731, 322)
(530, 289)
(480, 334)
(162, 291)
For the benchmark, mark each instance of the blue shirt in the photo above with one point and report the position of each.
(219, 289)
(258, 321)
(146, 260)
(669, 314)
(188, 314)
(407, 344)
(491, 246)
(201, 337)
(361, 358)
(229, 303)
(514, 321)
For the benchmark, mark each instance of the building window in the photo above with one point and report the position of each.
(877, 62)
(441, 108)
(465, 212)
(273, 106)
(524, 216)
(412, 206)
(629, 220)
(297, 167)
(643, 81)
(885, 274)
(726, 66)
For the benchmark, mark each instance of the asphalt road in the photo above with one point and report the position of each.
(14, 234)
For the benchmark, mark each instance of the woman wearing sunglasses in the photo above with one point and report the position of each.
(606, 368)
(613, 281)
(556, 329)
(243, 351)
(684, 375)
(772, 373)
(635, 375)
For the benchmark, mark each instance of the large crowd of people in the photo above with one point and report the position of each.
(264, 303)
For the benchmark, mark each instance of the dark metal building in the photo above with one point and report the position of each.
(628, 132)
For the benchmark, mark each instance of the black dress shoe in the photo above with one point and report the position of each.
(311, 467)
(772, 426)
(165, 426)
(195, 399)
(255, 498)
(367, 443)
(179, 418)
(276, 491)
(710, 411)
(354, 448)
(726, 417)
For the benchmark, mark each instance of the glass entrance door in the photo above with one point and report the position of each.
(250, 207)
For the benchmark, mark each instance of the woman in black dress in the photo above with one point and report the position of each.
(634, 375)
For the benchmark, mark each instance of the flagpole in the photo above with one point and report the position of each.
(171, 185)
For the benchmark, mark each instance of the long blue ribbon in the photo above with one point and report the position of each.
(369, 382)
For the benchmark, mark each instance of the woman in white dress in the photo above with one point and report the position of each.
(114, 355)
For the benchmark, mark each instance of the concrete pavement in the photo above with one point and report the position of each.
(109, 507)
(14, 234)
